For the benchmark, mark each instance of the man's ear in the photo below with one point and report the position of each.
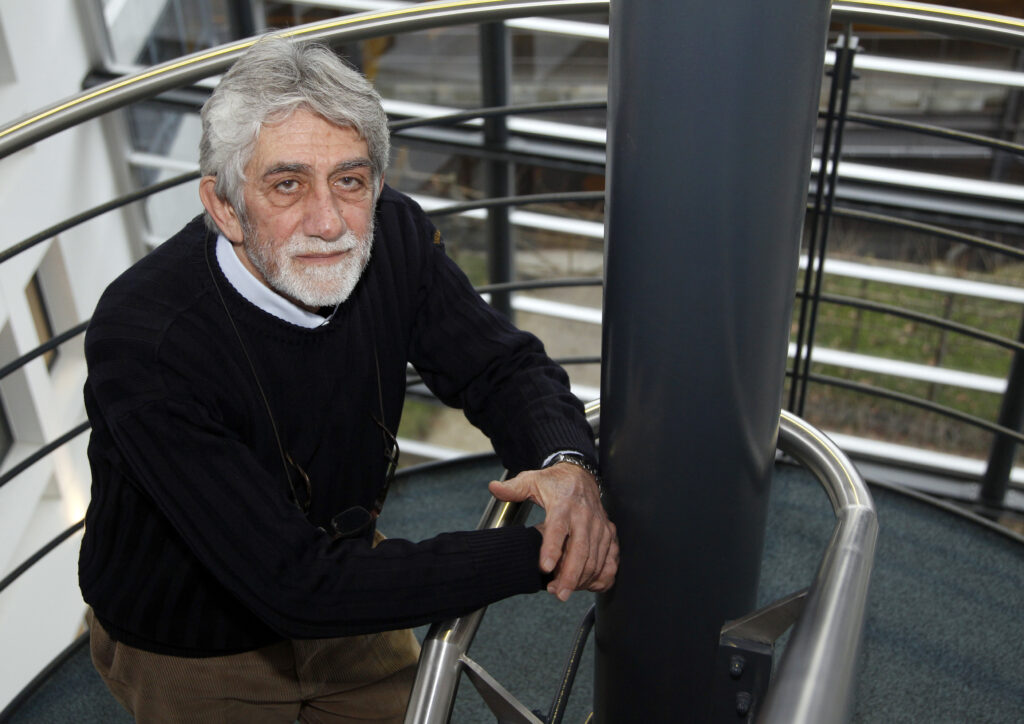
(223, 213)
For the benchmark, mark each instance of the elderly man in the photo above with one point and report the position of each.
(245, 384)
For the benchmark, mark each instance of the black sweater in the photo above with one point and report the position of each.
(192, 545)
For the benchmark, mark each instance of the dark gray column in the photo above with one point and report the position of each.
(496, 76)
(712, 107)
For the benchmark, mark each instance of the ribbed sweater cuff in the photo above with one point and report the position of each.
(556, 435)
(512, 558)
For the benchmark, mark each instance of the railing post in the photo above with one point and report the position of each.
(712, 109)
(821, 217)
(242, 17)
(996, 480)
(495, 60)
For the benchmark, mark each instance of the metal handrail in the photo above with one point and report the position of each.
(954, 22)
(40, 554)
(195, 67)
(815, 678)
(444, 654)
(817, 670)
(192, 68)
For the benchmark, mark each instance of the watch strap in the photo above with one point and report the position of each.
(575, 459)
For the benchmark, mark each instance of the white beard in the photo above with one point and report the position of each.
(311, 285)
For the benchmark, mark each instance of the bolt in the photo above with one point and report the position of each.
(743, 703)
(736, 665)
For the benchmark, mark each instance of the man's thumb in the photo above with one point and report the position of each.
(512, 491)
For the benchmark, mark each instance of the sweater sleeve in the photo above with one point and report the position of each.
(473, 358)
(234, 519)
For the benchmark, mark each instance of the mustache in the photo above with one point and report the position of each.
(299, 245)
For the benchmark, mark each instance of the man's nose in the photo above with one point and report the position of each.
(324, 216)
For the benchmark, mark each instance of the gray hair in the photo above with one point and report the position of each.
(274, 78)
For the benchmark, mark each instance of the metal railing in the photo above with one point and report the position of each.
(195, 67)
(816, 674)
(817, 671)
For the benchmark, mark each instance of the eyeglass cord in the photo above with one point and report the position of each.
(285, 457)
(252, 368)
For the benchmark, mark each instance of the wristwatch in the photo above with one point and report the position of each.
(577, 460)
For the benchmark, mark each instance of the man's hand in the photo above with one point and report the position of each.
(580, 544)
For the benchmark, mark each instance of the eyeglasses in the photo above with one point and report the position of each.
(356, 521)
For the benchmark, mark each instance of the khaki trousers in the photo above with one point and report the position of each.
(350, 679)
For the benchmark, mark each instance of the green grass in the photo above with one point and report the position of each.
(884, 335)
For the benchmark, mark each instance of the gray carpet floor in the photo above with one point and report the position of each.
(944, 640)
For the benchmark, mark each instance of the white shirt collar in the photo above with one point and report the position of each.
(259, 293)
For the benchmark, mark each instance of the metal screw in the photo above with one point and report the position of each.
(743, 703)
(736, 665)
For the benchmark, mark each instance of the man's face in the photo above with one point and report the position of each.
(309, 196)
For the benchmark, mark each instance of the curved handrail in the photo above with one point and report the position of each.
(815, 677)
(195, 67)
(956, 22)
(192, 68)
(816, 673)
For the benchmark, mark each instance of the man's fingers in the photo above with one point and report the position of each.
(553, 545)
(583, 556)
(579, 542)
(589, 563)
(606, 577)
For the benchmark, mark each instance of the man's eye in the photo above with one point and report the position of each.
(287, 186)
(354, 188)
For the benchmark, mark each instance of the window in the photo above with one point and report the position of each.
(6, 436)
(41, 318)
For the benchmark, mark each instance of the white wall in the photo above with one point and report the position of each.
(45, 55)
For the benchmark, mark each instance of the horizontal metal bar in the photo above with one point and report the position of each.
(42, 349)
(548, 153)
(495, 111)
(940, 231)
(928, 319)
(92, 213)
(39, 554)
(915, 402)
(547, 222)
(523, 126)
(541, 284)
(42, 452)
(817, 671)
(524, 200)
(925, 129)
